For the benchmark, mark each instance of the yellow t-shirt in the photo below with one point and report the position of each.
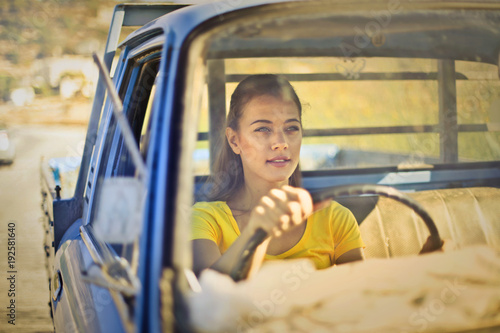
(330, 232)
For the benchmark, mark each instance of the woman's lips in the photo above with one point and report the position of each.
(279, 161)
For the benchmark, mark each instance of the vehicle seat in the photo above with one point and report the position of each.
(466, 216)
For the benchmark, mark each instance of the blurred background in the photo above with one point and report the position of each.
(45, 58)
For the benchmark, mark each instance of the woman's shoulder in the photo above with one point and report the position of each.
(333, 208)
(334, 214)
(210, 207)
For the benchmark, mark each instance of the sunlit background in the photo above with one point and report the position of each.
(46, 70)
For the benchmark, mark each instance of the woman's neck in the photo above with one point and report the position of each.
(250, 194)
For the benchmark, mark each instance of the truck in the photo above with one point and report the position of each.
(401, 125)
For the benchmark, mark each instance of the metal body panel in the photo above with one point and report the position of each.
(151, 242)
(81, 307)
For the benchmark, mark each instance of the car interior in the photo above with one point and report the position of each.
(402, 109)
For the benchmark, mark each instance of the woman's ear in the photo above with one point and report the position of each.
(232, 139)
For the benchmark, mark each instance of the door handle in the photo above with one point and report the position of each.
(56, 285)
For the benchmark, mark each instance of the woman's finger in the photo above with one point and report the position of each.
(302, 197)
(297, 214)
(283, 208)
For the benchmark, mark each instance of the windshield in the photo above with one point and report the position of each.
(369, 112)
(389, 93)
(395, 95)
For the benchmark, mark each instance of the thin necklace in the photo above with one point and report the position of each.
(243, 211)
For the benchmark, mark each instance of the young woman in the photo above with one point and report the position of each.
(255, 185)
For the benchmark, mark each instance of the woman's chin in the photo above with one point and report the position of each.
(281, 179)
(281, 175)
(277, 177)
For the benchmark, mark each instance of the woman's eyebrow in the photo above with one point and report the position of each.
(262, 121)
(270, 122)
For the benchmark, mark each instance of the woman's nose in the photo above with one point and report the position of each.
(280, 142)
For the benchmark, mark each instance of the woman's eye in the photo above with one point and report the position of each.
(293, 128)
(263, 129)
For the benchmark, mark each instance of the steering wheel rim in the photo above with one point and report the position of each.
(240, 271)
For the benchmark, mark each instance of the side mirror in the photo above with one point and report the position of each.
(119, 211)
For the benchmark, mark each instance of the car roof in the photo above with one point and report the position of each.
(185, 20)
(179, 24)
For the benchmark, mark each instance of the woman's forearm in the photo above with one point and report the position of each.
(227, 261)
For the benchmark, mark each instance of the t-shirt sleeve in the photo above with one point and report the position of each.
(204, 224)
(346, 232)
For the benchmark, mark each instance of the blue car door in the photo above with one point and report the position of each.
(84, 299)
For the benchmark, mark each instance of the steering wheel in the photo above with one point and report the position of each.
(240, 271)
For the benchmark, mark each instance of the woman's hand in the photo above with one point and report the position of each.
(281, 209)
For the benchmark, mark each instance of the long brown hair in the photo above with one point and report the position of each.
(227, 175)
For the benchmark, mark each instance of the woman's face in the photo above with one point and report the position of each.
(268, 139)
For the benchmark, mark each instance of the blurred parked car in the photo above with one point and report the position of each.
(7, 147)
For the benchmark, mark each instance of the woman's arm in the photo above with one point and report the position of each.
(207, 255)
(350, 256)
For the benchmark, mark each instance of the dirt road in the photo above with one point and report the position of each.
(25, 283)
